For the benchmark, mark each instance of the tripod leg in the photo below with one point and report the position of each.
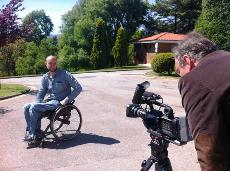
(163, 165)
(146, 164)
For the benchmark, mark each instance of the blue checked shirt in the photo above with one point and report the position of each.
(62, 87)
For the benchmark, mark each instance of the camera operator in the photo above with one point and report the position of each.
(204, 87)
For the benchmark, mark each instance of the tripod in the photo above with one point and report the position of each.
(159, 155)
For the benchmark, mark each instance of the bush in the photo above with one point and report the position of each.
(83, 59)
(163, 62)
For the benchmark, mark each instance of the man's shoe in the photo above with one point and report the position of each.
(27, 138)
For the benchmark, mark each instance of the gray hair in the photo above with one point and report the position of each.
(195, 46)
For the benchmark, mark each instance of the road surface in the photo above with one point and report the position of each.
(109, 141)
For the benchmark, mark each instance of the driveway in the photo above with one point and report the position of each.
(109, 141)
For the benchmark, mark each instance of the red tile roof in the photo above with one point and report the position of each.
(164, 36)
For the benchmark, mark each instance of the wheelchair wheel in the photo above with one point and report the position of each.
(66, 123)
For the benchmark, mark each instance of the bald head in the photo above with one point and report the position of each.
(51, 63)
(51, 58)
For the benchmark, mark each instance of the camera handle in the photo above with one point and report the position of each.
(159, 155)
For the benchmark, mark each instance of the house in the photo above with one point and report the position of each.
(146, 48)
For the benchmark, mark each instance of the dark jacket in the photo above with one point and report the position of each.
(205, 95)
(203, 90)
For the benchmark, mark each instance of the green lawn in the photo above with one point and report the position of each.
(163, 75)
(124, 68)
(11, 89)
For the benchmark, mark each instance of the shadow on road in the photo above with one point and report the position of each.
(4, 111)
(33, 92)
(81, 139)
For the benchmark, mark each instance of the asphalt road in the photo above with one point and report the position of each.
(109, 141)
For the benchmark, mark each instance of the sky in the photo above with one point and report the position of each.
(53, 8)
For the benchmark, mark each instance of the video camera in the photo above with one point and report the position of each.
(160, 122)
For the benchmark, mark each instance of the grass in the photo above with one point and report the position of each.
(124, 68)
(11, 89)
(164, 75)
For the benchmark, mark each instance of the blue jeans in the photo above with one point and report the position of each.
(33, 111)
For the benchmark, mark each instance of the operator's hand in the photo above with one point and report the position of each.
(64, 102)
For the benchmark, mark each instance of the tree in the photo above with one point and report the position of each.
(128, 14)
(99, 51)
(80, 21)
(48, 46)
(83, 59)
(120, 48)
(179, 16)
(6, 60)
(214, 22)
(10, 29)
(67, 43)
(8, 56)
(131, 54)
(25, 64)
(18, 51)
(83, 32)
(41, 26)
(137, 35)
(68, 58)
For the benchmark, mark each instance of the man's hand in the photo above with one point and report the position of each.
(64, 102)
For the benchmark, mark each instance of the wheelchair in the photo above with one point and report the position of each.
(64, 123)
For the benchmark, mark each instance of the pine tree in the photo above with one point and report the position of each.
(178, 16)
(214, 22)
(120, 49)
(99, 51)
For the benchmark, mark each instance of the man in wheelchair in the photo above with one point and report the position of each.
(61, 87)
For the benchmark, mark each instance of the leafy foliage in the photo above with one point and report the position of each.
(68, 58)
(25, 64)
(83, 59)
(178, 16)
(214, 22)
(83, 32)
(128, 14)
(8, 56)
(84, 43)
(79, 24)
(40, 24)
(99, 52)
(120, 48)
(10, 29)
(48, 46)
(163, 62)
(68, 41)
(137, 35)
(131, 54)
(31, 61)
(7, 63)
